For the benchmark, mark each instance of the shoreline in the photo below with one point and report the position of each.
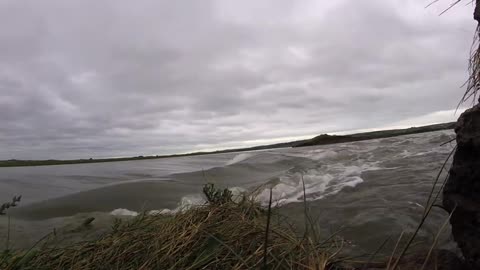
(323, 139)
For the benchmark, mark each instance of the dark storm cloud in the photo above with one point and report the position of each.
(113, 78)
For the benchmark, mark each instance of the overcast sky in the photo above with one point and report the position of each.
(101, 78)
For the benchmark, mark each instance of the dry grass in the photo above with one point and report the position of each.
(472, 85)
(217, 236)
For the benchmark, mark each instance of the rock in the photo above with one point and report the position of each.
(462, 190)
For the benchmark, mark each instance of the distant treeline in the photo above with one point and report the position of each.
(20, 163)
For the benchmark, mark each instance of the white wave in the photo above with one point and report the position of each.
(405, 154)
(416, 204)
(239, 158)
(434, 150)
(352, 182)
(186, 203)
(316, 155)
(319, 183)
(322, 154)
(195, 200)
(237, 193)
(352, 170)
(123, 212)
(290, 188)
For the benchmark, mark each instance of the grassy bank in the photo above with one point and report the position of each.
(226, 233)
(221, 235)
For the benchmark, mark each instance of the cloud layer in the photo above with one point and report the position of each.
(89, 78)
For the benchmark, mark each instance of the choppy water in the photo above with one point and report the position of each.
(372, 189)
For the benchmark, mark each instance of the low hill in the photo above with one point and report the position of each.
(331, 139)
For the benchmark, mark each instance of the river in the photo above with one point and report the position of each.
(371, 190)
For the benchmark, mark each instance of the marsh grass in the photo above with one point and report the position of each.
(220, 235)
(472, 85)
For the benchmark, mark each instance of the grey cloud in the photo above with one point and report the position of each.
(110, 78)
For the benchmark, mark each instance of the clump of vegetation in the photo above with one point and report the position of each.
(217, 196)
